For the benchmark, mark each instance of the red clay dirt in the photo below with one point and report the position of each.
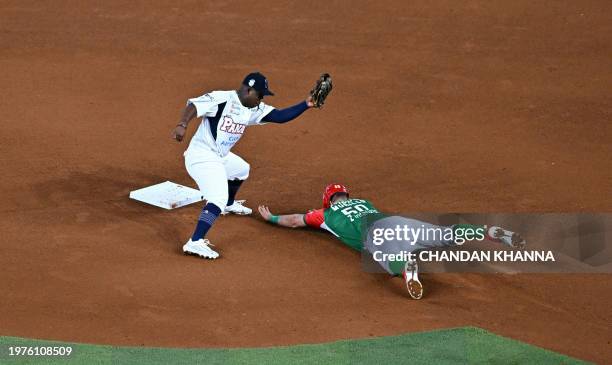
(474, 106)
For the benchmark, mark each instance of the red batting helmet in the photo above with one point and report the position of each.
(330, 190)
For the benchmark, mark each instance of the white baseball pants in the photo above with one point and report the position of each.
(212, 172)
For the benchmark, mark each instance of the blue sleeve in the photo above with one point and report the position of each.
(287, 114)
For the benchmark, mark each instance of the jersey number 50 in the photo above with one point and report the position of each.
(351, 212)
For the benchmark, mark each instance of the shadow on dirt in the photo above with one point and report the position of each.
(102, 198)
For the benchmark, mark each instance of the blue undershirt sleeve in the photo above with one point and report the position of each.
(287, 114)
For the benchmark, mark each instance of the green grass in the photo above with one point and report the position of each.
(466, 345)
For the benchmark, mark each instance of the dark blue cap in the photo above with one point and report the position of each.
(258, 82)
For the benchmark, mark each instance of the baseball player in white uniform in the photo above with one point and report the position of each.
(217, 171)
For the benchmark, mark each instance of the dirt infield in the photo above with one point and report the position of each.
(472, 107)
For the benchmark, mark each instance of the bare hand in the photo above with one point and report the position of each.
(264, 211)
(309, 101)
(179, 132)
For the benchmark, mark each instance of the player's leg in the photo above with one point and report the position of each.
(237, 171)
(405, 236)
(423, 235)
(460, 232)
(415, 235)
(212, 182)
(380, 252)
(409, 236)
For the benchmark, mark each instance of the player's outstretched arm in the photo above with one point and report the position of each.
(289, 220)
(287, 114)
(189, 113)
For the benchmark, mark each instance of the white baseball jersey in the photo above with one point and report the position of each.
(224, 120)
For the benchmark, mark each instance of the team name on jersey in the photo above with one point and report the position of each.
(228, 125)
(346, 203)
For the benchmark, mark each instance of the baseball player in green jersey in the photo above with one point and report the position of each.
(358, 224)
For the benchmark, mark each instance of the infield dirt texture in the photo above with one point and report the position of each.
(445, 106)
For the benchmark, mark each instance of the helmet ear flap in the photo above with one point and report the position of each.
(329, 192)
(326, 200)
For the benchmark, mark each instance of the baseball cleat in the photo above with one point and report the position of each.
(411, 277)
(200, 248)
(508, 238)
(237, 208)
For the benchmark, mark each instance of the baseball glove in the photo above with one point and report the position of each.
(320, 91)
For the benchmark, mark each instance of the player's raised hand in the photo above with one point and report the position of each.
(309, 101)
(179, 132)
(264, 211)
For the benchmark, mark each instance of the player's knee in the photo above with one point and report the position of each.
(243, 174)
(219, 200)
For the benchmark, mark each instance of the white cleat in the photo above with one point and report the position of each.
(237, 208)
(411, 277)
(508, 238)
(200, 248)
